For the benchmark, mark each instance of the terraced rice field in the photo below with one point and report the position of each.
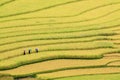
(77, 39)
(94, 77)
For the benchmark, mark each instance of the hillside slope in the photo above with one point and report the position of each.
(78, 37)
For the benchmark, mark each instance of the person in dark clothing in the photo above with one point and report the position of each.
(29, 51)
(36, 50)
(24, 52)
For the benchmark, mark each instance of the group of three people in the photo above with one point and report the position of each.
(29, 51)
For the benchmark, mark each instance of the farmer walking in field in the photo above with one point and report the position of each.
(29, 51)
(24, 52)
(36, 50)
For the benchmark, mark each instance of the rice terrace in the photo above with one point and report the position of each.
(59, 39)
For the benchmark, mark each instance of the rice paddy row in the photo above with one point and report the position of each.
(61, 65)
(108, 17)
(93, 77)
(32, 44)
(76, 72)
(48, 55)
(58, 9)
